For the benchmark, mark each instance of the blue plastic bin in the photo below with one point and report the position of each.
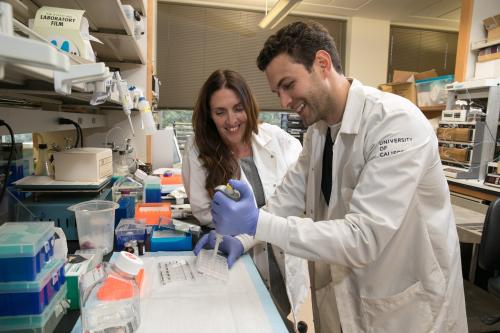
(45, 322)
(170, 240)
(25, 247)
(31, 297)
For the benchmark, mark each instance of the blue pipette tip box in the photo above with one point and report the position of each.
(165, 239)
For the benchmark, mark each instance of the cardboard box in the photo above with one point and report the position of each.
(83, 164)
(454, 154)
(403, 83)
(454, 134)
(404, 89)
(492, 25)
(487, 69)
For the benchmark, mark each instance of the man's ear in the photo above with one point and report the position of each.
(323, 61)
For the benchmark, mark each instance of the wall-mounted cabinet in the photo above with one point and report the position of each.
(31, 88)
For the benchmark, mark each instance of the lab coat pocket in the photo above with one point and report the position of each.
(408, 311)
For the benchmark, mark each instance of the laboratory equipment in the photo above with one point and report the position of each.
(127, 186)
(148, 122)
(125, 98)
(25, 248)
(165, 149)
(176, 270)
(130, 229)
(95, 222)
(78, 264)
(152, 212)
(39, 323)
(210, 262)
(43, 166)
(89, 164)
(212, 265)
(110, 295)
(166, 237)
(31, 297)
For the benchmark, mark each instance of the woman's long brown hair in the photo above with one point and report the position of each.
(215, 155)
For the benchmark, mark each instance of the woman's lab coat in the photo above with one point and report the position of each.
(389, 242)
(274, 151)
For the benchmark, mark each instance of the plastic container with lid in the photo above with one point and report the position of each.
(25, 247)
(148, 122)
(45, 322)
(31, 297)
(112, 302)
(432, 92)
(130, 229)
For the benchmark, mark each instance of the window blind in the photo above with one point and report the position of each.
(418, 50)
(193, 41)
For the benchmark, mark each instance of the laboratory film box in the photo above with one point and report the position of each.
(83, 164)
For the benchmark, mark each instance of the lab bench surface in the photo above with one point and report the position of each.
(244, 305)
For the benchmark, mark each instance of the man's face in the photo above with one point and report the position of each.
(298, 89)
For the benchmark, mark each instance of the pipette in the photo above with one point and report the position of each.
(125, 99)
(232, 194)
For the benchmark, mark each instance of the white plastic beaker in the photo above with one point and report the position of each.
(95, 223)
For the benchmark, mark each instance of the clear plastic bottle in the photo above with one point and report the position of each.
(43, 166)
(148, 122)
(111, 302)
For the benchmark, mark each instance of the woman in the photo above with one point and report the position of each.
(230, 142)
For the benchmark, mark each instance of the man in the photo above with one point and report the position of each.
(371, 210)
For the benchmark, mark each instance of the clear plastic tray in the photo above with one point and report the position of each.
(215, 266)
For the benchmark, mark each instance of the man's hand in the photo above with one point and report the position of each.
(230, 246)
(235, 217)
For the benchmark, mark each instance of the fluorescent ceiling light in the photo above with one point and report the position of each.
(278, 13)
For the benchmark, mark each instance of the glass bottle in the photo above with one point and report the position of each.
(43, 167)
(110, 296)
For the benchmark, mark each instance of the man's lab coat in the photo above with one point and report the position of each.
(274, 151)
(389, 240)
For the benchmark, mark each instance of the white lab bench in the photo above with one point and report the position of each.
(244, 305)
(469, 218)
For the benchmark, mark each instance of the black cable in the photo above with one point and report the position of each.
(81, 134)
(66, 121)
(7, 172)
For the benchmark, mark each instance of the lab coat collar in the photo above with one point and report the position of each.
(261, 139)
(351, 119)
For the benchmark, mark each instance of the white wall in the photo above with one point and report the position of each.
(481, 10)
(367, 50)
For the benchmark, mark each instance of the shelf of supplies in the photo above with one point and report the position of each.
(432, 108)
(19, 8)
(484, 43)
(103, 16)
(137, 4)
(118, 48)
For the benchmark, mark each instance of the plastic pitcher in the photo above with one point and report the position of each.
(95, 222)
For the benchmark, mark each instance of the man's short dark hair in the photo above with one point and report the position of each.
(301, 41)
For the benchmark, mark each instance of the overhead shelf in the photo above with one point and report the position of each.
(109, 24)
(484, 43)
(118, 48)
(137, 4)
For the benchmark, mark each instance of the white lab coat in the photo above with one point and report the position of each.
(274, 151)
(389, 236)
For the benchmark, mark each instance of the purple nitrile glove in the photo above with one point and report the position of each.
(235, 217)
(230, 246)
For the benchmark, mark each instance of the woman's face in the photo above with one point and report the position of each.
(229, 116)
